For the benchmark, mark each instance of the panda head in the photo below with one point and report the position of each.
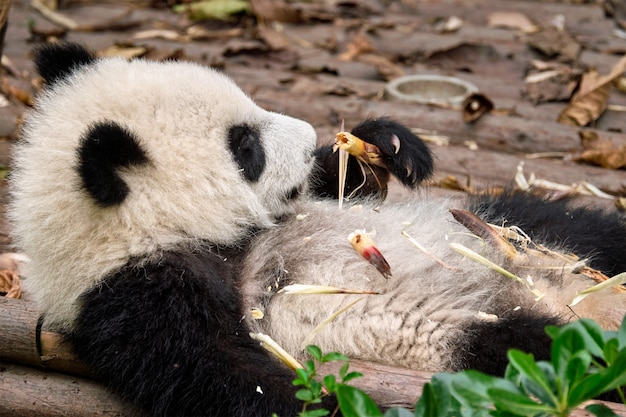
(162, 148)
(120, 159)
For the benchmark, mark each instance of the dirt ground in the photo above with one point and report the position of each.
(329, 61)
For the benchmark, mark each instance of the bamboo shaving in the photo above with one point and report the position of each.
(465, 251)
(618, 279)
(53, 16)
(583, 188)
(274, 348)
(425, 251)
(326, 322)
(322, 289)
(343, 168)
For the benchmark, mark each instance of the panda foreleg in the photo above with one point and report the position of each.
(170, 338)
(404, 155)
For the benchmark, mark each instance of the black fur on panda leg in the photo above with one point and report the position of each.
(171, 339)
(485, 343)
(587, 232)
(405, 155)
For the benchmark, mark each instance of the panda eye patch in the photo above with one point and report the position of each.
(245, 145)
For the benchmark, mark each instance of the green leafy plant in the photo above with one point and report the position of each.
(585, 363)
(313, 391)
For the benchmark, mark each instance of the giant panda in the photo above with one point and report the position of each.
(159, 206)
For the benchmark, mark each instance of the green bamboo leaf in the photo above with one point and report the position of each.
(427, 405)
(530, 388)
(330, 382)
(621, 335)
(603, 381)
(611, 350)
(518, 404)
(315, 352)
(470, 388)
(601, 410)
(526, 364)
(577, 367)
(401, 412)
(317, 413)
(343, 371)
(304, 395)
(355, 403)
(333, 356)
(437, 400)
(351, 376)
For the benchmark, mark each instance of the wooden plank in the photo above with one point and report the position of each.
(28, 392)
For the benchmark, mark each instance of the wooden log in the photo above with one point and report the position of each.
(55, 390)
(24, 340)
(29, 392)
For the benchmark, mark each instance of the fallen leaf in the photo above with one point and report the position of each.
(213, 9)
(275, 40)
(554, 42)
(449, 25)
(592, 97)
(586, 108)
(600, 151)
(170, 35)
(554, 84)
(275, 11)
(23, 96)
(510, 20)
(123, 51)
(10, 284)
(387, 69)
(200, 33)
(359, 45)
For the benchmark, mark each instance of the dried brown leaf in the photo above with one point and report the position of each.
(387, 69)
(592, 97)
(124, 51)
(555, 83)
(359, 45)
(277, 41)
(601, 151)
(510, 20)
(589, 103)
(275, 11)
(23, 96)
(10, 284)
(554, 42)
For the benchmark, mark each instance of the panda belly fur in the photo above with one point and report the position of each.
(159, 212)
(426, 316)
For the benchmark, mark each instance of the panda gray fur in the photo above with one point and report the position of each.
(159, 205)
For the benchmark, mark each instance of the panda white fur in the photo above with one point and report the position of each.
(159, 205)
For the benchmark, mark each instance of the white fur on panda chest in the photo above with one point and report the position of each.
(314, 250)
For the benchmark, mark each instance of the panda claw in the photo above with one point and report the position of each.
(395, 141)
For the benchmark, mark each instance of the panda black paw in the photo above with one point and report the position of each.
(403, 153)
(399, 153)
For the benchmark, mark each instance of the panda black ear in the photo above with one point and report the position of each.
(55, 61)
(105, 148)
